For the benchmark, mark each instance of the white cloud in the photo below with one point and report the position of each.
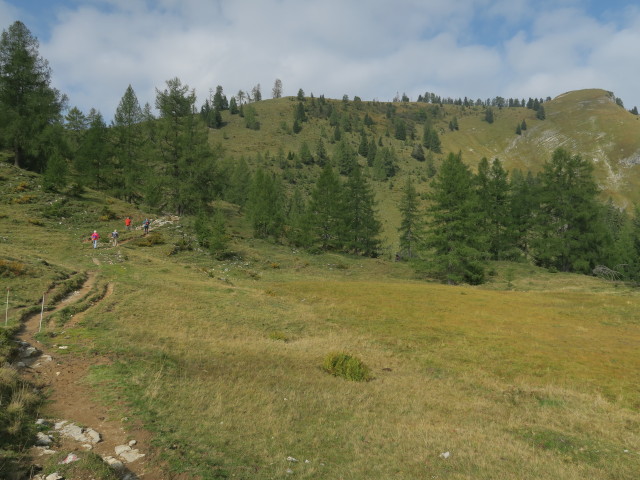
(333, 47)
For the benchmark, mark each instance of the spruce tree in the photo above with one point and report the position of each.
(494, 205)
(570, 230)
(453, 242)
(265, 205)
(411, 223)
(127, 146)
(29, 106)
(326, 211)
(362, 228)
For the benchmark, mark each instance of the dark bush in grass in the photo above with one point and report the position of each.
(347, 366)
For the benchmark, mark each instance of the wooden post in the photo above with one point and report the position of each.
(6, 312)
(41, 313)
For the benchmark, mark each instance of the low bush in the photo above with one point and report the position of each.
(347, 366)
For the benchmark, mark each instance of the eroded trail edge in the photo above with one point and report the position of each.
(72, 421)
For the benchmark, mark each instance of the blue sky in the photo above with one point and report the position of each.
(374, 49)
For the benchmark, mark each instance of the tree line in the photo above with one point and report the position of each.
(553, 219)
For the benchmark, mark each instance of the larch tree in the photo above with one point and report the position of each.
(411, 222)
(29, 106)
(128, 142)
(453, 240)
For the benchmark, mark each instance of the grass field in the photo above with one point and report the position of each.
(533, 375)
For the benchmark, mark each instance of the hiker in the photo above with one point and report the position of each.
(114, 236)
(95, 236)
(127, 223)
(145, 224)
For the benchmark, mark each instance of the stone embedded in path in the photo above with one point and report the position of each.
(114, 463)
(128, 454)
(43, 440)
(71, 430)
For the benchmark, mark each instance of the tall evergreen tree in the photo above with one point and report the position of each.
(128, 142)
(362, 228)
(326, 211)
(570, 230)
(28, 103)
(493, 202)
(344, 157)
(411, 223)
(453, 241)
(265, 205)
(183, 144)
(92, 161)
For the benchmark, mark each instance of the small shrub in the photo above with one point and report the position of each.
(12, 268)
(154, 238)
(279, 336)
(347, 366)
(23, 199)
(107, 214)
(22, 187)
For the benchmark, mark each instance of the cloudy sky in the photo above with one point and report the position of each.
(370, 48)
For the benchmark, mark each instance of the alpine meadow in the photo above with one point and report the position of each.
(328, 288)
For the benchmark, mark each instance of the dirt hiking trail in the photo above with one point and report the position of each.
(60, 375)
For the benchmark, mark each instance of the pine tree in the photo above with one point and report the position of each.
(265, 205)
(92, 160)
(127, 146)
(29, 106)
(411, 223)
(344, 157)
(452, 239)
(326, 212)
(183, 144)
(494, 205)
(361, 225)
(570, 230)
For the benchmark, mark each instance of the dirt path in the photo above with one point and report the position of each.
(60, 375)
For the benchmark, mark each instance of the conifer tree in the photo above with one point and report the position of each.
(92, 160)
(326, 212)
(29, 106)
(570, 231)
(183, 144)
(344, 157)
(493, 202)
(128, 143)
(265, 205)
(453, 246)
(411, 223)
(361, 225)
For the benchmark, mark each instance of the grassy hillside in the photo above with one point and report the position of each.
(587, 122)
(532, 376)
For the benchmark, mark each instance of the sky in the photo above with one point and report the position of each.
(374, 49)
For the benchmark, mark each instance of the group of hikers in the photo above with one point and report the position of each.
(95, 236)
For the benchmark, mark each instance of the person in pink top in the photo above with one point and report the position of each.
(95, 236)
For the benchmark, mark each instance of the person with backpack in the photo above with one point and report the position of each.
(127, 223)
(95, 236)
(146, 224)
(114, 237)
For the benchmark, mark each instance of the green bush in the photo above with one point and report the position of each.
(347, 366)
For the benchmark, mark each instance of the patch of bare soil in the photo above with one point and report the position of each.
(60, 374)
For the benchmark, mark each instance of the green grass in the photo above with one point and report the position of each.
(531, 376)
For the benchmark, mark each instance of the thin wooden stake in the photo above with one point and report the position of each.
(6, 312)
(41, 313)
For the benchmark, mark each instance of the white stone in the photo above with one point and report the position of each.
(132, 443)
(92, 435)
(43, 440)
(114, 463)
(122, 448)
(54, 476)
(291, 459)
(445, 455)
(131, 455)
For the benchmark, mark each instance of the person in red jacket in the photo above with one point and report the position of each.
(95, 236)
(127, 223)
